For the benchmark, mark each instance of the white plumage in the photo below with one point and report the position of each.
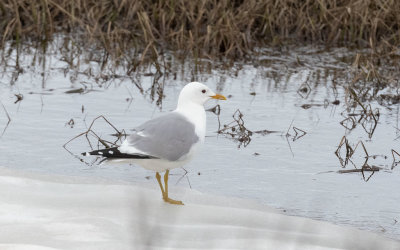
(168, 141)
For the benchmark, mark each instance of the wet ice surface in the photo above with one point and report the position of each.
(300, 179)
(68, 212)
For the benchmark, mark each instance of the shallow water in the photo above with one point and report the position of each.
(297, 175)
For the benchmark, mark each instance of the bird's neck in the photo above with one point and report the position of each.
(196, 114)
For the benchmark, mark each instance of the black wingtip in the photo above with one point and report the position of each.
(115, 153)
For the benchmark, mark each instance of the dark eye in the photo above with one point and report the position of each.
(203, 91)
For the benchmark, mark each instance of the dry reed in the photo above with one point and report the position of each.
(203, 28)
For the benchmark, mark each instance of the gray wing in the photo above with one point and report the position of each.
(170, 137)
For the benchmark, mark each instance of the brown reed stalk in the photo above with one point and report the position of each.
(204, 27)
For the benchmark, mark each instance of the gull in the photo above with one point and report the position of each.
(168, 141)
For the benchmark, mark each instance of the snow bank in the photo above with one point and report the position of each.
(54, 212)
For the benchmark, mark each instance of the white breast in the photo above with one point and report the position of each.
(196, 114)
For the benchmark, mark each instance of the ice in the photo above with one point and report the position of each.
(59, 212)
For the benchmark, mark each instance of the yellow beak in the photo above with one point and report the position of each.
(218, 97)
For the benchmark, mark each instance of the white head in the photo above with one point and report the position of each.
(197, 93)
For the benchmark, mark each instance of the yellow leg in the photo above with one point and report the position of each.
(158, 177)
(166, 182)
(165, 194)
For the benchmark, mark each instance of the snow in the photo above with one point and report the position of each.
(60, 212)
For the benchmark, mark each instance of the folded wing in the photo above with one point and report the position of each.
(168, 137)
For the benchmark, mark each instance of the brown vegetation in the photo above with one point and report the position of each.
(203, 28)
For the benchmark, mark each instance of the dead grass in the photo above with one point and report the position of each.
(140, 34)
(204, 28)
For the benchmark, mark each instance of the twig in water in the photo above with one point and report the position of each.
(70, 123)
(365, 168)
(365, 151)
(358, 170)
(368, 119)
(265, 132)
(287, 137)
(371, 118)
(345, 122)
(304, 90)
(236, 130)
(187, 177)
(394, 164)
(99, 140)
(20, 97)
(349, 152)
(8, 117)
(217, 111)
(297, 136)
